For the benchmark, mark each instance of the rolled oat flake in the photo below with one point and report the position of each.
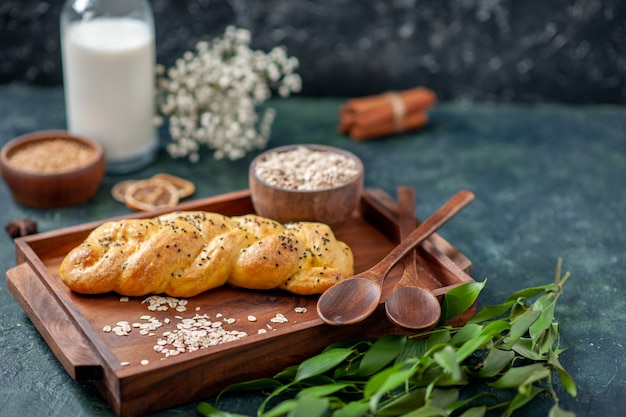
(306, 169)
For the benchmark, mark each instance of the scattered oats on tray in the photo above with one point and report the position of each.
(189, 333)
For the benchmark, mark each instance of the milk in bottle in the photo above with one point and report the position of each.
(108, 68)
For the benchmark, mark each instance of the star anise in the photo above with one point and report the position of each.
(19, 228)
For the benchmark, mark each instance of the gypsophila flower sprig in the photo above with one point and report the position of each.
(211, 96)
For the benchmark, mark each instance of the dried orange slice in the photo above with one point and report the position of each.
(151, 194)
(185, 188)
(119, 190)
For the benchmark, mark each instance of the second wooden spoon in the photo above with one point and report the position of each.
(354, 299)
(410, 304)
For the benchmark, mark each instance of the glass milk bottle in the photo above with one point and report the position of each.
(108, 52)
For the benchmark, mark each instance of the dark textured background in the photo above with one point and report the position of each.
(466, 50)
(548, 180)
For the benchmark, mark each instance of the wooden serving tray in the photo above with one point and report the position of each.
(72, 324)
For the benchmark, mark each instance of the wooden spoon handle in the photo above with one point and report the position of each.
(424, 230)
(406, 223)
(406, 211)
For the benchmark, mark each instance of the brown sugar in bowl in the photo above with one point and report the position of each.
(52, 168)
(287, 189)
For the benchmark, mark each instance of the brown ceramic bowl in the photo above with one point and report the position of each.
(332, 203)
(52, 168)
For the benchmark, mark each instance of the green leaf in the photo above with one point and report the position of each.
(491, 312)
(443, 398)
(382, 353)
(457, 405)
(566, 379)
(254, 385)
(524, 347)
(427, 411)
(424, 347)
(447, 359)
(354, 344)
(274, 394)
(281, 409)
(321, 363)
(322, 390)
(527, 293)
(385, 381)
(439, 337)
(465, 333)
(310, 407)
(287, 373)
(520, 400)
(548, 340)
(495, 362)
(436, 342)
(403, 403)
(413, 349)
(515, 342)
(557, 411)
(475, 411)
(521, 375)
(351, 368)
(520, 326)
(207, 410)
(352, 409)
(488, 332)
(318, 380)
(545, 304)
(459, 299)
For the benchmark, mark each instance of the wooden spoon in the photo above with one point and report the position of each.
(410, 304)
(354, 299)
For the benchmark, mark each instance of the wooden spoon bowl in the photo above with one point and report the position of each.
(354, 299)
(411, 305)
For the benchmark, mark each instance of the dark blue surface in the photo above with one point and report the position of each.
(549, 182)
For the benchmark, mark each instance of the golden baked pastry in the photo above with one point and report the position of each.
(183, 254)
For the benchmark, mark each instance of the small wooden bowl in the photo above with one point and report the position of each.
(331, 206)
(40, 187)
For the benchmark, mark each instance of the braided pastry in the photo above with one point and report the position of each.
(183, 254)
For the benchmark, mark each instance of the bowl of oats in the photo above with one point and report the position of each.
(52, 168)
(306, 183)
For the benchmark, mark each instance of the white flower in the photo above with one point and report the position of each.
(210, 95)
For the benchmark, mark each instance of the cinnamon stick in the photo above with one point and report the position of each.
(384, 114)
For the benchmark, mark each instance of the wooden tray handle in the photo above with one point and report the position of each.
(69, 346)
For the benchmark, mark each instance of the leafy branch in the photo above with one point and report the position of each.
(496, 363)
